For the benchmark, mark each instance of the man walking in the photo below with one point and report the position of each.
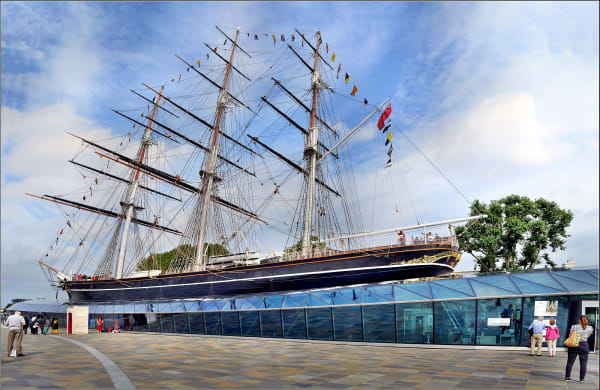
(538, 335)
(15, 332)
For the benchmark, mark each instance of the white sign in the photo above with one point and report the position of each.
(498, 322)
(546, 308)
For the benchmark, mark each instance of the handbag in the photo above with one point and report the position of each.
(573, 340)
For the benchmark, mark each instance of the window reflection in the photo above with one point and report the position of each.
(414, 323)
(454, 322)
(491, 313)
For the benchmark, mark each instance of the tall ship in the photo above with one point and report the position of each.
(233, 177)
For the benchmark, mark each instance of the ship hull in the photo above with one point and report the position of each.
(364, 266)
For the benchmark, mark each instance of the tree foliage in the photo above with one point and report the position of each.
(517, 233)
(163, 260)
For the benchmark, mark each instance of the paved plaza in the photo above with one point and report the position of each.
(154, 361)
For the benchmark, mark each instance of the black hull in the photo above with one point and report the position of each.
(365, 266)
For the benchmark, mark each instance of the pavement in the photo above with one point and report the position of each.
(157, 361)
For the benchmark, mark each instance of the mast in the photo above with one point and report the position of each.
(310, 153)
(133, 186)
(208, 177)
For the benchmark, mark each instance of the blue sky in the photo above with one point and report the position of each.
(502, 96)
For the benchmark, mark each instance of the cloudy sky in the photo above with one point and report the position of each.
(503, 97)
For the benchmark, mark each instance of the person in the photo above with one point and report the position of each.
(100, 324)
(552, 336)
(25, 325)
(15, 325)
(54, 326)
(538, 335)
(507, 313)
(585, 331)
(46, 326)
(401, 238)
(32, 323)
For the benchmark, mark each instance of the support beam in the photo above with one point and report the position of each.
(227, 62)
(150, 101)
(143, 125)
(300, 57)
(234, 42)
(315, 50)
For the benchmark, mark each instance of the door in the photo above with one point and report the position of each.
(590, 309)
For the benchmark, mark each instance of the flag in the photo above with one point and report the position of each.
(282, 38)
(389, 163)
(354, 89)
(61, 231)
(153, 99)
(224, 43)
(326, 47)
(188, 69)
(256, 37)
(389, 139)
(215, 49)
(347, 78)
(390, 150)
(333, 57)
(198, 62)
(179, 77)
(248, 33)
(387, 127)
(96, 180)
(69, 224)
(274, 39)
(384, 116)
(207, 56)
(366, 102)
(83, 197)
(293, 37)
(338, 71)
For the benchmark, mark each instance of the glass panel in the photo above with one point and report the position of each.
(166, 323)
(460, 285)
(222, 304)
(294, 324)
(192, 305)
(151, 307)
(139, 308)
(378, 294)
(153, 322)
(347, 322)
(561, 320)
(542, 278)
(212, 321)
(574, 285)
(346, 296)
(486, 290)
(500, 281)
(295, 300)
(319, 324)
(401, 294)
(320, 298)
(140, 323)
(177, 307)
(270, 323)
(181, 323)
(583, 276)
(128, 308)
(440, 292)
(231, 323)
(274, 301)
(421, 289)
(118, 309)
(379, 323)
(532, 287)
(164, 307)
(196, 323)
(249, 323)
(454, 322)
(414, 323)
(208, 306)
(489, 312)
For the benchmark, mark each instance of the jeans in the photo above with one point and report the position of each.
(552, 347)
(582, 350)
(537, 339)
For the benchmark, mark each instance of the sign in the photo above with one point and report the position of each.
(498, 322)
(546, 308)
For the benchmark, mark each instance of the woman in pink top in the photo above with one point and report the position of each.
(552, 335)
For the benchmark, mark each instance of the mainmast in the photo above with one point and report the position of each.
(208, 176)
(310, 154)
(131, 191)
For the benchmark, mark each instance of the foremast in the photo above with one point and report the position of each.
(209, 175)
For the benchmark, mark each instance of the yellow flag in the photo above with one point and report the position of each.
(389, 138)
(347, 78)
(333, 57)
(198, 62)
(274, 39)
(353, 93)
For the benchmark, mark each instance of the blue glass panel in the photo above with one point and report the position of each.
(231, 323)
(580, 276)
(208, 306)
(485, 290)
(378, 294)
(129, 308)
(93, 309)
(460, 285)
(139, 308)
(233, 304)
(270, 323)
(151, 307)
(164, 307)
(542, 278)
(177, 307)
(222, 304)
(212, 322)
(454, 322)
(118, 309)
(401, 294)
(191, 305)
(501, 281)
(528, 287)
(347, 322)
(561, 320)
(166, 323)
(573, 285)
(295, 300)
(245, 303)
(319, 324)
(414, 323)
(273, 301)
(153, 322)
(320, 298)
(440, 292)
(418, 288)
(346, 296)
(250, 325)
(508, 309)
(181, 323)
(294, 324)
(593, 272)
(196, 323)
(379, 323)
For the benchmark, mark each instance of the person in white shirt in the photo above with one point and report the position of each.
(585, 331)
(15, 332)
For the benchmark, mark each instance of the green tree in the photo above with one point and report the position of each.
(163, 260)
(517, 233)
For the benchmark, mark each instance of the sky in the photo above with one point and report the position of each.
(502, 97)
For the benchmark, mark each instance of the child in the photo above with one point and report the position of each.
(552, 335)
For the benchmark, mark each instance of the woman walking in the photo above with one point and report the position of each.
(100, 324)
(582, 349)
(54, 326)
(552, 336)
